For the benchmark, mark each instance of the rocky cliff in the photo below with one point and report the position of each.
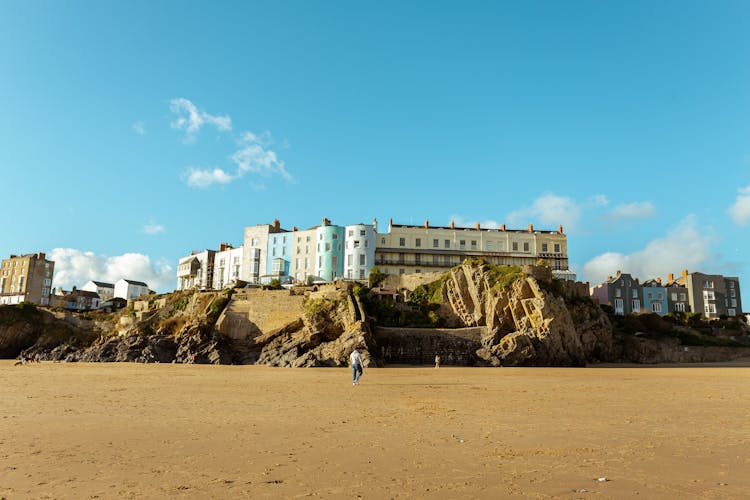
(477, 314)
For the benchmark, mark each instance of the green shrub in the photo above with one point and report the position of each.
(217, 305)
(376, 277)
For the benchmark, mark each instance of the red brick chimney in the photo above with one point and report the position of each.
(294, 228)
(477, 226)
(670, 277)
(502, 227)
(426, 223)
(531, 228)
(684, 273)
(658, 280)
(453, 225)
(560, 229)
(276, 224)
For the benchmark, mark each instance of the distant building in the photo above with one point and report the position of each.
(26, 278)
(129, 289)
(255, 256)
(304, 248)
(196, 271)
(77, 300)
(227, 266)
(713, 295)
(677, 296)
(408, 249)
(655, 298)
(329, 251)
(359, 252)
(621, 292)
(105, 290)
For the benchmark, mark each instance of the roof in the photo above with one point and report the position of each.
(137, 283)
(103, 284)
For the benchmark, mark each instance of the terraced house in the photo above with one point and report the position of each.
(406, 249)
(26, 278)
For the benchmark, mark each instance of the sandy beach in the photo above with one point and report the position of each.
(198, 431)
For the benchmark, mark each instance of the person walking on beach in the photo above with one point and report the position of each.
(437, 360)
(356, 359)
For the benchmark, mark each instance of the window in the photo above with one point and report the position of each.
(362, 260)
(435, 260)
(658, 295)
(435, 243)
(401, 258)
(650, 296)
(731, 312)
(335, 236)
(473, 244)
(635, 294)
(708, 295)
(733, 302)
(328, 247)
(400, 271)
(402, 242)
(356, 243)
(351, 232)
(320, 261)
(349, 259)
(544, 247)
(447, 244)
(515, 246)
(619, 309)
(557, 248)
(679, 307)
(683, 297)
(732, 293)
(446, 260)
(296, 263)
(618, 292)
(417, 271)
(636, 305)
(731, 284)
(525, 246)
(488, 245)
(274, 240)
(708, 284)
(366, 245)
(362, 232)
(273, 252)
(674, 296)
(656, 307)
(334, 261)
(382, 241)
(709, 308)
(462, 244)
(418, 242)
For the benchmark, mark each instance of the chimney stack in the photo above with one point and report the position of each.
(684, 273)
(42, 255)
(375, 224)
(618, 273)
(560, 229)
(531, 228)
(670, 277)
(276, 224)
(502, 227)
(390, 224)
(453, 225)
(426, 223)
(658, 279)
(294, 228)
(326, 222)
(637, 282)
(477, 226)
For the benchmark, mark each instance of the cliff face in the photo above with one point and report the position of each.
(529, 322)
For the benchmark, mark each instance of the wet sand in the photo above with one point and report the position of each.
(195, 431)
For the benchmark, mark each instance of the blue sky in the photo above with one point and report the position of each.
(134, 132)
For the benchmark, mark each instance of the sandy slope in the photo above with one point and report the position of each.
(125, 430)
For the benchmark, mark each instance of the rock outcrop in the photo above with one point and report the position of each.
(527, 323)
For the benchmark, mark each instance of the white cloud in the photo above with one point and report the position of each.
(740, 210)
(198, 178)
(254, 157)
(635, 210)
(684, 247)
(139, 129)
(191, 119)
(76, 267)
(600, 200)
(549, 210)
(153, 228)
(462, 221)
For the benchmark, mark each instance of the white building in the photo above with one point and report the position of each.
(255, 244)
(228, 263)
(105, 290)
(129, 289)
(196, 271)
(359, 251)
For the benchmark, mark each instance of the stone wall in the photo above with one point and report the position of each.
(410, 281)
(418, 346)
(254, 312)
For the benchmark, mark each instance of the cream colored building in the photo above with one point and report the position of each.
(26, 278)
(255, 254)
(408, 249)
(304, 252)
